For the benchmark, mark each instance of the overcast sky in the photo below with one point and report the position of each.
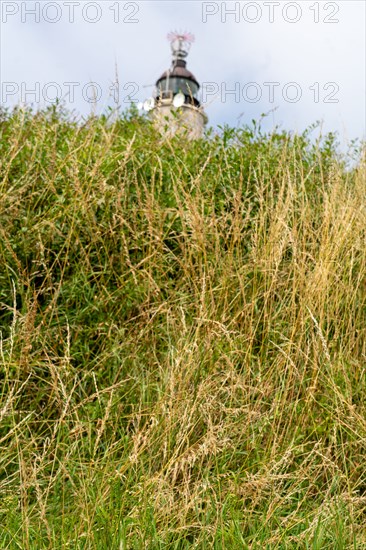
(302, 61)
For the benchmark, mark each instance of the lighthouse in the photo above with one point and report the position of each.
(175, 107)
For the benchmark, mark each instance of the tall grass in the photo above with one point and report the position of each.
(183, 339)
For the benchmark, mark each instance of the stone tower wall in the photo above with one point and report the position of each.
(187, 120)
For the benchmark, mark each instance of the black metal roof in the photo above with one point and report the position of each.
(179, 69)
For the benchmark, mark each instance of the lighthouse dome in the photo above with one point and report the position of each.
(179, 70)
(176, 80)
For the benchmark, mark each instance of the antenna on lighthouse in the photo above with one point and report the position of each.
(180, 43)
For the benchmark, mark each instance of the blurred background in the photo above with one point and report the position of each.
(300, 62)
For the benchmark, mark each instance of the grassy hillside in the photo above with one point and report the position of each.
(183, 339)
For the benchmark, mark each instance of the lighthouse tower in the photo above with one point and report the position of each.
(175, 107)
